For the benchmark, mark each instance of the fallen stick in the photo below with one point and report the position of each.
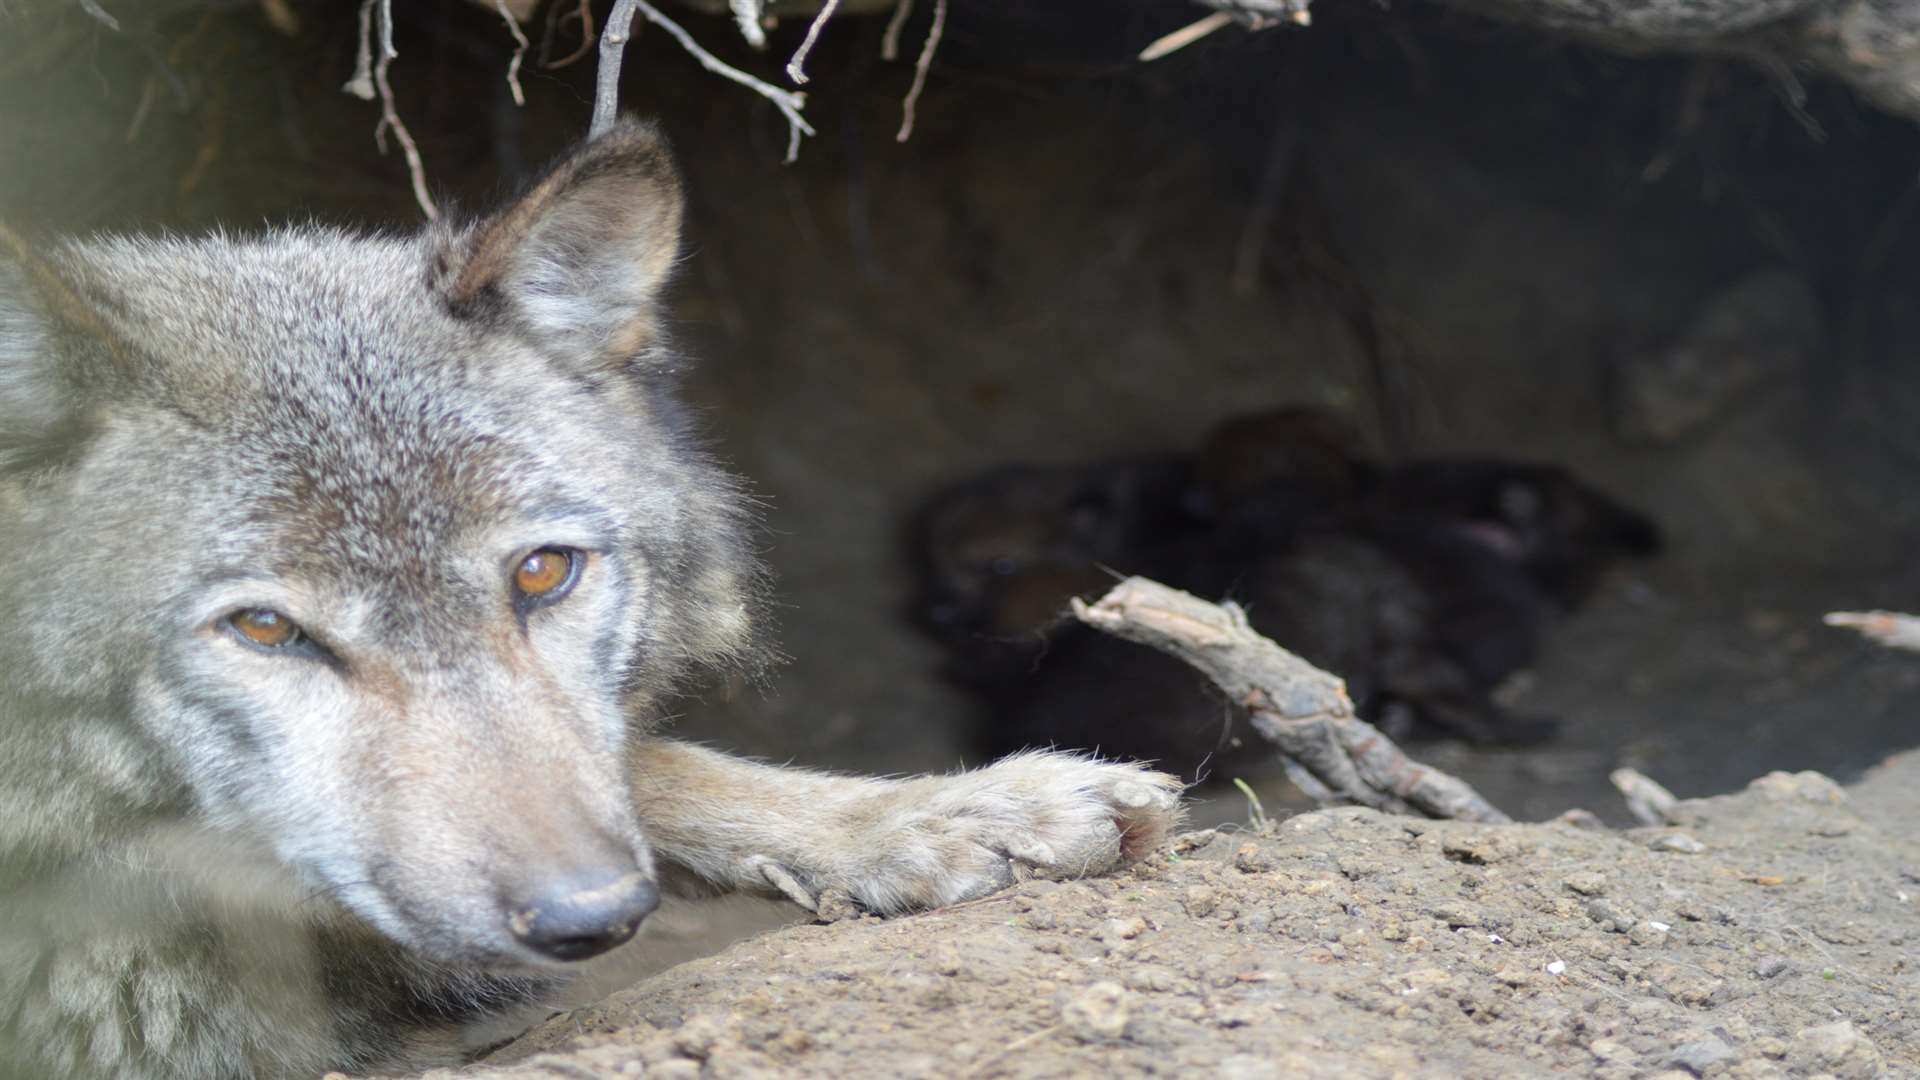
(1331, 754)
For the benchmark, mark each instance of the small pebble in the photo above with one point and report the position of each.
(1252, 859)
(1769, 966)
(1609, 916)
(1682, 843)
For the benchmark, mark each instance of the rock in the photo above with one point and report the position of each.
(1769, 966)
(1649, 933)
(1200, 900)
(1586, 883)
(1699, 1055)
(946, 959)
(1609, 916)
(1584, 820)
(1682, 843)
(1836, 1048)
(1098, 1013)
(1456, 915)
(1480, 847)
(696, 1037)
(1252, 859)
(1609, 1050)
(1427, 978)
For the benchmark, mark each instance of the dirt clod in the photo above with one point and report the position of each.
(1587, 883)
(1098, 1013)
(836, 905)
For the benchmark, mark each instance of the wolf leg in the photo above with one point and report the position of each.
(894, 845)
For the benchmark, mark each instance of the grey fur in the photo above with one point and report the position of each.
(222, 862)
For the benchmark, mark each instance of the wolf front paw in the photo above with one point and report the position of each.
(939, 840)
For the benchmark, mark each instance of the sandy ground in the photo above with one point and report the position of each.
(1770, 933)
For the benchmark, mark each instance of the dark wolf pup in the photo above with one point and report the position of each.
(342, 578)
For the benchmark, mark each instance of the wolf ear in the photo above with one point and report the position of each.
(56, 353)
(579, 260)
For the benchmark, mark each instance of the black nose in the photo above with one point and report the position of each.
(583, 915)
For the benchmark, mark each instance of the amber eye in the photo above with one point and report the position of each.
(265, 628)
(546, 575)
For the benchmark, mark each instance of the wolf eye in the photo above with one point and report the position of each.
(546, 575)
(266, 628)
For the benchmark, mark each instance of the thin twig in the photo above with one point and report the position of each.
(890, 41)
(520, 46)
(361, 84)
(797, 67)
(92, 8)
(585, 14)
(613, 40)
(390, 116)
(1168, 44)
(920, 67)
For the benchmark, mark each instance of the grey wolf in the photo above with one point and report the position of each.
(345, 576)
(1423, 585)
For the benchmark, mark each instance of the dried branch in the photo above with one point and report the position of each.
(520, 46)
(613, 43)
(797, 67)
(1333, 755)
(1889, 628)
(920, 67)
(613, 49)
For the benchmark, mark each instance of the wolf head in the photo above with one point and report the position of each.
(380, 545)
